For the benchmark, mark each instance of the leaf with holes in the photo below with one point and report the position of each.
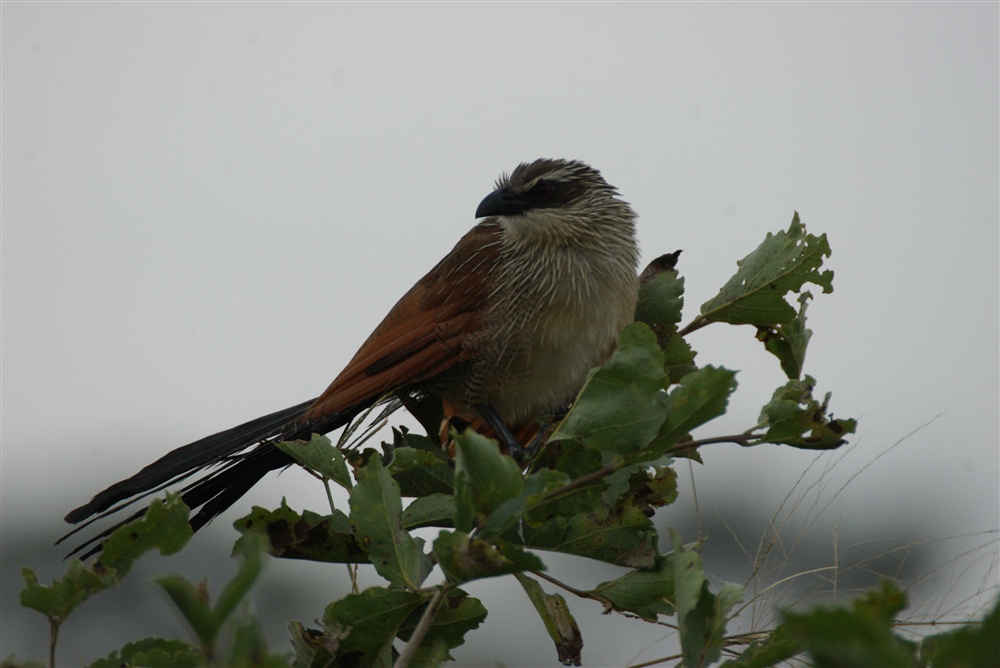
(783, 263)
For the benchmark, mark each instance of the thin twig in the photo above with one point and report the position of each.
(745, 439)
(352, 570)
(329, 494)
(740, 439)
(741, 639)
(53, 639)
(695, 325)
(570, 589)
(656, 662)
(582, 481)
(423, 626)
(697, 506)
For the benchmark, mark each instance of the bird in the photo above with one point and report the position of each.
(503, 330)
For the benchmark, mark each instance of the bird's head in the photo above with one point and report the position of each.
(545, 193)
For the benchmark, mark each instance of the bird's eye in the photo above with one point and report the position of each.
(544, 190)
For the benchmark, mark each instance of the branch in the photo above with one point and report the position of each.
(573, 590)
(420, 631)
(695, 325)
(53, 639)
(742, 639)
(745, 439)
(656, 662)
(583, 481)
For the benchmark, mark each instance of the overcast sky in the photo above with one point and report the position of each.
(207, 207)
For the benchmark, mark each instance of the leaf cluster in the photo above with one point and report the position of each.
(864, 634)
(164, 527)
(590, 491)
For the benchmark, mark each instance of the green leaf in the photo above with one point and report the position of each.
(883, 603)
(458, 614)
(619, 535)
(661, 300)
(621, 406)
(642, 486)
(376, 513)
(576, 460)
(700, 397)
(793, 417)
(619, 483)
(12, 661)
(972, 645)
(250, 551)
(433, 510)
(309, 536)
(701, 615)
(559, 623)
(193, 604)
(422, 471)
(567, 462)
(164, 526)
(776, 649)
(861, 636)
(678, 357)
(572, 460)
(153, 653)
(484, 479)
(249, 647)
(789, 340)
(463, 558)
(64, 595)
(532, 499)
(319, 456)
(314, 648)
(369, 622)
(783, 263)
(647, 593)
(432, 653)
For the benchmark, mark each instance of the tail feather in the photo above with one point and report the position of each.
(219, 491)
(241, 456)
(189, 459)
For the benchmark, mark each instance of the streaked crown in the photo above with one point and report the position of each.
(568, 185)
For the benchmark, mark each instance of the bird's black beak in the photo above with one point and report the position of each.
(502, 203)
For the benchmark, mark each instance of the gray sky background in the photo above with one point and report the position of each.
(207, 207)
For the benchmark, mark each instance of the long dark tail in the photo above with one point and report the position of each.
(241, 456)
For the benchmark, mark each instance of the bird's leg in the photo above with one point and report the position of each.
(544, 430)
(503, 432)
(539, 438)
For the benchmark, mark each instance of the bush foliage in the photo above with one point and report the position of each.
(590, 491)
